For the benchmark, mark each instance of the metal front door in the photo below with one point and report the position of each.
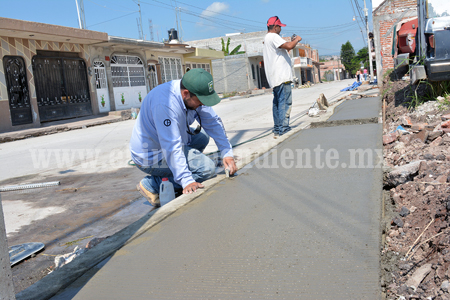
(102, 87)
(19, 97)
(62, 89)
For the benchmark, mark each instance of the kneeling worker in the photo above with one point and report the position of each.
(164, 145)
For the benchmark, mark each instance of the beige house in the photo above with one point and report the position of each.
(50, 72)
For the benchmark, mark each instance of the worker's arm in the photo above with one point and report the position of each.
(291, 45)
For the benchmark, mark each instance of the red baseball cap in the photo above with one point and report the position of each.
(275, 21)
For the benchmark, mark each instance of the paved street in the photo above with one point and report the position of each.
(301, 222)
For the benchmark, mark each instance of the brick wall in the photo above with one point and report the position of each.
(388, 14)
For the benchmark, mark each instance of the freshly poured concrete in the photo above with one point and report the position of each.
(279, 230)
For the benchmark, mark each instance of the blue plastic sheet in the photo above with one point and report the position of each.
(353, 87)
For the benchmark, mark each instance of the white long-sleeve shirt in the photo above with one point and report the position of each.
(161, 131)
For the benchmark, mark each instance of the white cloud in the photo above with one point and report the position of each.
(215, 8)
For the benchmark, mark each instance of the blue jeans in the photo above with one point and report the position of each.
(201, 166)
(282, 105)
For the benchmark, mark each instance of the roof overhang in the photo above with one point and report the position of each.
(126, 44)
(200, 53)
(47, 32)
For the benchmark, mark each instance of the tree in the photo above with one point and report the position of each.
(235, 51)
(362, 57)
(347, 57)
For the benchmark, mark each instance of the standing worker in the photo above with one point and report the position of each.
(278, 67)
(164, 145)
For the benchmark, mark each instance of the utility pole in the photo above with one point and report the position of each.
(80, 12)
(6, 282)
(368, 42)
(246, 61)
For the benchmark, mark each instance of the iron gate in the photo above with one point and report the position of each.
(16, 83)
(62, 88)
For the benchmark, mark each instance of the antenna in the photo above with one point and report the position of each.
(139, 21)
(139, 29)
(150, 26)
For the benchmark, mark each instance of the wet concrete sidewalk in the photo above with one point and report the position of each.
(301, 222)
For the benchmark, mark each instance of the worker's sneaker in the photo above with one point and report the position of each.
(276, 135)
(152, 198)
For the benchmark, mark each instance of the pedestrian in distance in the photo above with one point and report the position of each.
(278, 68)
(163, 144)
(357, 75)
(365, 74)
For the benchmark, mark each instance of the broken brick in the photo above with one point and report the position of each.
(434, 135)
(406, 121)
(389, 138)
(419, 126)
(421, 135)
(446, 124)
(436, 142)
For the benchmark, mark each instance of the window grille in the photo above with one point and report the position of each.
(170, 68)
(127, 71)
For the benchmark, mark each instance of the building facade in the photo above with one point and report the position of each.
(385, 18)
(332, 70)
(50, 73)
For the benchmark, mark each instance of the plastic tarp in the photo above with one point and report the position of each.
(353, 87)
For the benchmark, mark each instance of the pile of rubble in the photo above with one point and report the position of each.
(416, 233)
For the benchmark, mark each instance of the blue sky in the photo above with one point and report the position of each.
(324, 24)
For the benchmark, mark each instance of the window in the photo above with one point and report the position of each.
(152, 76)
(127, 71)
(100, 75)
(205, 67)
(253, 71)
(170, 68)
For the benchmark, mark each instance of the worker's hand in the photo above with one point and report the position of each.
(298, 39)
(192, 187)
(228, 163)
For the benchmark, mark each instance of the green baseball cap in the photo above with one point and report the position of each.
(201, 83)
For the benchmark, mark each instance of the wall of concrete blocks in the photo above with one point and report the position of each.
(385, 17)
(231, 74)
(250, 42)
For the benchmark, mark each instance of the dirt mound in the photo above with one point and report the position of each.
(416, 235)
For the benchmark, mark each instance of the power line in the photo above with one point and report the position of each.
(104, 6)
(112, 19)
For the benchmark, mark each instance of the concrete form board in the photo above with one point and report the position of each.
(270, 233)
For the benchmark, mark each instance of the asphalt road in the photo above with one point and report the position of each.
(301, 222)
